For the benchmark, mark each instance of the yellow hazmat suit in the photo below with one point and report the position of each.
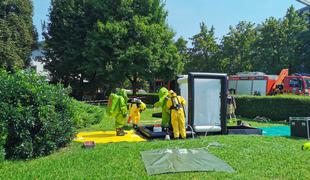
(136, 107)
(176, 105)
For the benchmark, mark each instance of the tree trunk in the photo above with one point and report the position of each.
(80, 93)
(134, 86)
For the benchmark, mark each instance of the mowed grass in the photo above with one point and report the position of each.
(258, 124)
(253, 157)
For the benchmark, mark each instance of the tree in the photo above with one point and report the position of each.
(181, 45)
(18, 35)
(203, 54)
(65, 44)
(294, 26)
(303, 59)
(92, 43)
(278, 45)
(140, 42)
(269, 46)
(237, 48)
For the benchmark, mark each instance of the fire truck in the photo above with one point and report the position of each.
(257, 83)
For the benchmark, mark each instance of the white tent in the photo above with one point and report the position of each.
(206, 95)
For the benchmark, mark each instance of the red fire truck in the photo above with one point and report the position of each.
(257, 83)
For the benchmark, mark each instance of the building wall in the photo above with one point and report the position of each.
(35, 63)
(304, 10)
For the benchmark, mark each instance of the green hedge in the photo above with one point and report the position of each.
(276, 108)
(36, 115)
(150, 98)
(86, 114)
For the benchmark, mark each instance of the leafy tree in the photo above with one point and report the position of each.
(181, 44)
(140, 42)
(18, 36)
(269, 46)
(294, 25)
(237, 48)
(203, 54)
(94, 43)
(278, 45)
(303, 59)
(65, 44)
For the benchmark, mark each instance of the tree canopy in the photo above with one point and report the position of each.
(203, 55)
(102, 44)
(237, 48)
(18, 35)
(95, 43)
(269, 47)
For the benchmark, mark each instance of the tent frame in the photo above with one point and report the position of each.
(191, 94)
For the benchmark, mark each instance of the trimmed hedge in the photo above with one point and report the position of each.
(36, 115)
(86, 114)
(277, 108)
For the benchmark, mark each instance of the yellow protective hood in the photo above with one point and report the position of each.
(172, 93)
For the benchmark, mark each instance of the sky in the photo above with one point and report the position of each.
(184, 16)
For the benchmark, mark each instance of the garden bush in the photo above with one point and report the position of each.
(85, 114)
(37, 116)
(277, 108)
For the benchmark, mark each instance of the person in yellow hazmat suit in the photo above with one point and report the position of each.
(163, 98)
(117, 109)
(136, 106)
(176, 105)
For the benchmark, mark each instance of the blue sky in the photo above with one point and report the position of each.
(185, 15)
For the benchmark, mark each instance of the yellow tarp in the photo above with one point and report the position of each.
(101, 137)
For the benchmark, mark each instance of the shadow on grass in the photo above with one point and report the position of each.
(296, 138)
(262, 124)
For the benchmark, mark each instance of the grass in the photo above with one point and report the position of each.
(253, 157)
(258, 124)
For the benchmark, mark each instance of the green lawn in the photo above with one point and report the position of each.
(253, 157)
(258, 124)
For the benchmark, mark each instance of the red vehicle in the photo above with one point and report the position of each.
(256, 83)
(297, 84)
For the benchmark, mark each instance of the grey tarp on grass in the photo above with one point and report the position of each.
(182, 160)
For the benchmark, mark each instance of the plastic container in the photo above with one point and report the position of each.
(300, 127)
(157, 128)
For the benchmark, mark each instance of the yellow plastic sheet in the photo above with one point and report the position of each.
(101, 137)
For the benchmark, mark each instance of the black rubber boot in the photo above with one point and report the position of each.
(135, 126)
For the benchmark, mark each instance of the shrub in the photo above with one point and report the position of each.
(85, 114)
(276, 108)
(37, 116)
